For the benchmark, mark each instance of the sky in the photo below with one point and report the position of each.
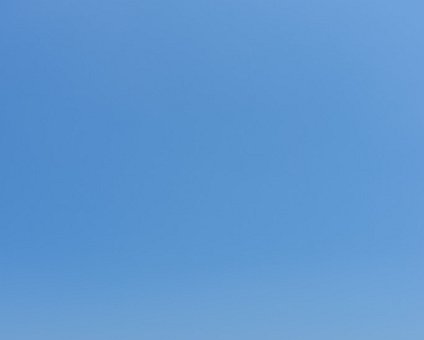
(206, 169)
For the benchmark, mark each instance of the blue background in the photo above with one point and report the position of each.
(206, 169)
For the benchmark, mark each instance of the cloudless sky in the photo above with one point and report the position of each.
(206, 169)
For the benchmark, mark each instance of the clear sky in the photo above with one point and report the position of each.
(206, 170)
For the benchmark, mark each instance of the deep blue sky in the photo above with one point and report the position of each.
(206, 170)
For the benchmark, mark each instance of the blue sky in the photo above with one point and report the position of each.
(211, 170)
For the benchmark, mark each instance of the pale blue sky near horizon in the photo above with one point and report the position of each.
(211, 170)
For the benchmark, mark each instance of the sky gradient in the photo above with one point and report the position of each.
(206, 170)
